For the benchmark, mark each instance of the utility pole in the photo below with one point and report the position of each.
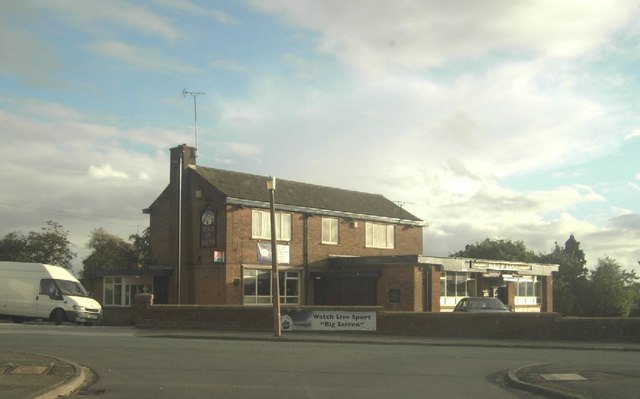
(194, 94)
(275, 278)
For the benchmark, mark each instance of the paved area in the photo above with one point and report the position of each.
(29, 375)
(561, 382)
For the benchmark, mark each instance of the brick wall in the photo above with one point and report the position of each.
(405, 280)
(118, 316)
(446, 325)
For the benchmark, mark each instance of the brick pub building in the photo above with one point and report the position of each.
(335, 247)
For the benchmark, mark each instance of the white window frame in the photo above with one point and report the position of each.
(450, 297)
(261, 225)
(330, 231)
(290, 286)
(380, 235)
(121, 290)
(528, 291)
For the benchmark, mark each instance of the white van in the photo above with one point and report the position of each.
(39, 291)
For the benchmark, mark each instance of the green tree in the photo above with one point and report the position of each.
(13, 247)
(612, 290)
(142, 247)
(570, 283)
(498, 250)
(51, 245)
(109, 252)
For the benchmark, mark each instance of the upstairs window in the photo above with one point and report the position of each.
(261, 225)
(380, 236)
(330, 230)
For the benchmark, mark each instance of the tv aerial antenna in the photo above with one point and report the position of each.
(401, 204)
(194, 94)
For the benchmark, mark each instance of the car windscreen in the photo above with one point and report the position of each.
(495, 305)
(71, 288)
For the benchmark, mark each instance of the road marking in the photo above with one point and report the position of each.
(30, 370)
(563, 377)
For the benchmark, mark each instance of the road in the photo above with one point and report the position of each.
(150, 364)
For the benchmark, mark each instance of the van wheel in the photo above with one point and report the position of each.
(58, 316)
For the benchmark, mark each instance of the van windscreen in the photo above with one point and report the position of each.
(71, 288)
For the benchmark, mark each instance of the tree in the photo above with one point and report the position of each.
(142, 247)
(570, 283)
(612, 291)
(498, 250)
(109, 253)
(51, 245)
(13, 247)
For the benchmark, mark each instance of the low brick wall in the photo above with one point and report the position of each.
(533, 326)
(118, 316)
(469, 325)
(599, 329)
(244, 318)
(213, 317)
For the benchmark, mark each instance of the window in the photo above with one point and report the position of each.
(330, 230)
(455, 286)
(121, 291)
(113, 291)
(261, 225)
(257, 286)
(48, 287)
(380, 236)
(528, 291)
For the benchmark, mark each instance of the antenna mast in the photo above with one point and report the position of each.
(194, 94)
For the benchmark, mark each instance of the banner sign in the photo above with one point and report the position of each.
(499, 266)
(264, 253)
(328, 320)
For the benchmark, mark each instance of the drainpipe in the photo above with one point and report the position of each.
(305, 255)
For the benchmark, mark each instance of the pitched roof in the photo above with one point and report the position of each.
(243, 186)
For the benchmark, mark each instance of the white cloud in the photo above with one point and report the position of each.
(27, 57)
(634, 134)
(112, 16)
(106, 171)
(217, 14)
(145, 58)
(76, 174)
(230, 65)
(427, 33)
(245, 149)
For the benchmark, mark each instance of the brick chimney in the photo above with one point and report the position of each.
(188, 156)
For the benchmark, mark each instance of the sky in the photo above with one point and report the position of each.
(493, 119)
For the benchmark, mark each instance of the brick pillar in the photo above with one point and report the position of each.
(143, 302)
(546, 295)
(511, 294)
(434, 290)
(479, 284)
